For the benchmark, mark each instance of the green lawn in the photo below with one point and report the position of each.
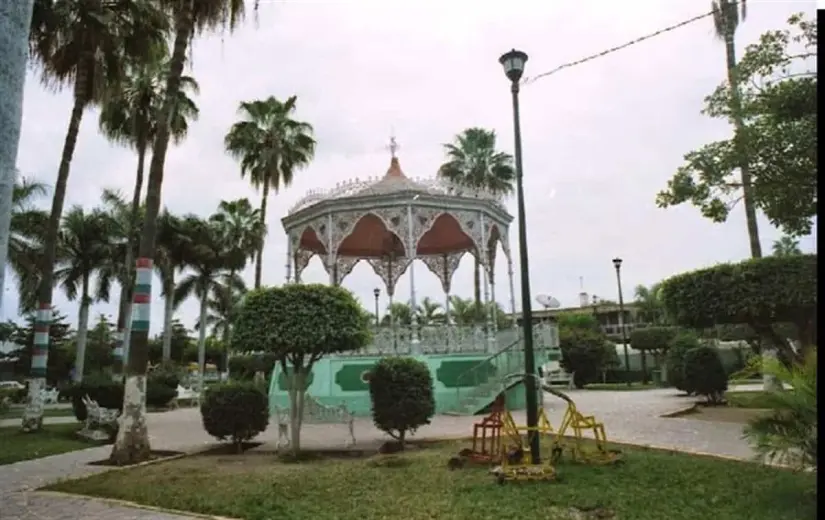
(53, 439)
(755, 381)
(747, 399)
(17, 412)
(620, 386)
(649, 485)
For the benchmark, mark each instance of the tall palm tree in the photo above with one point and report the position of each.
(83, 250)
(222, 305)
(82, 45)
(473, 162)
(651, 308)
(726, 17)
(128, 116)
(206, 256)
(169, 259)
(270, 146)
(466, 312)
(14, 24)
(430, 312)
(25, 239)
(189, 18)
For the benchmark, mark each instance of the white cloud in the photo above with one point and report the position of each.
(602, 137)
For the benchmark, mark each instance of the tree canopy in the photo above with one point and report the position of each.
(778, 84)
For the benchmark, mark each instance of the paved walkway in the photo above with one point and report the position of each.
(628, 416)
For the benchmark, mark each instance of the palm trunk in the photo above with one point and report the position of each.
(168, 316)
(202, 340)
(132, 443)
(82, 332)
(33, 416)
(260, 256)
(15, 20)
(744, 167)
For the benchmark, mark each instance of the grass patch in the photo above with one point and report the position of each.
(53, 439)
(613, 387)
(754, 381)
(650, 485)
(17, 412)
(758, 399)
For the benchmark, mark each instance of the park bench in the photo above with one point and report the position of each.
(186, 395)
(100, 422)
(315, 413)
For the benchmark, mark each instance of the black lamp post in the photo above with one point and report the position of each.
(617, 263)
(595, 307)
(513, 63)
(376, 292)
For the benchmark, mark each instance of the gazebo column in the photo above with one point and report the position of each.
(485, 262)
(512, 289)
(445, 284)
(330, 258)
(411, 254)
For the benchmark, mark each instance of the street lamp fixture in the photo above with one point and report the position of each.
(513, 63)
(376, 292)
(617, 263)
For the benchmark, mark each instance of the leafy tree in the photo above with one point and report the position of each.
(299, 324)
(777, 139)
(786, 246)
(585, 350)
(680, 345)
(60, 362)
(472, 161)
(99, 345)
(653, 340)
(401, 391)
(179, 342)
(430, 312)
(84, 248)
(271, 146)
(760, 293)
(189, 18)
(82, 45)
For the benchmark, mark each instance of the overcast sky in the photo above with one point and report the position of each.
(600, 139)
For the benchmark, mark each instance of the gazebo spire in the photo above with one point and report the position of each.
(395, 167)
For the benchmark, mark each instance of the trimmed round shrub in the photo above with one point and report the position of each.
(677, 349)
(705, 375)
(237, 411)
(401, 391)
(159, 392)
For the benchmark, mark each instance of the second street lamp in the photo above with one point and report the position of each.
(513, 63)
(376, 292)
(617, 263)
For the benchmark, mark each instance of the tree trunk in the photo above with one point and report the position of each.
(15, 20)
(744, 167)
(296, 407)
(645, 379)
(124, 305)
(168, 316)
(82, 332)
(260, 256)
(33, 416)
(202, 338)
(132, 443)
(477, 280)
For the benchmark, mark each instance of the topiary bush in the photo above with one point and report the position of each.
(237, 411)
(401, 391)
(675, 363)
(100, 388)
(159, 392)
(704, 374)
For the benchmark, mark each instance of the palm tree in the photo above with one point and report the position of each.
(83, 45)
(169, 258)
(25, 242)
(128, 116)
(14, 24)
(466, 312)
(189, 18)
(83, 250)
(473, 162)
(430, 312)
(206, 256)
(786, 246)
(270, 146)
(649, 304)
(726, 17)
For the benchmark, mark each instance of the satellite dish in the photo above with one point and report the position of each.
(548, 302)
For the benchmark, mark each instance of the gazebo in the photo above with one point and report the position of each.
(389, 222)
(393, 220)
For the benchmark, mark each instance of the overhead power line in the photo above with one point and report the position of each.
(611, 50)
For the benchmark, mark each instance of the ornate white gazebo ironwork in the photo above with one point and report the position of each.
(393, 220)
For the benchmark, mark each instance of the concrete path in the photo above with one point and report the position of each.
(628, 416)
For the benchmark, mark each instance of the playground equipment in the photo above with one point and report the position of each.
(486, 439)
(578, 423)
